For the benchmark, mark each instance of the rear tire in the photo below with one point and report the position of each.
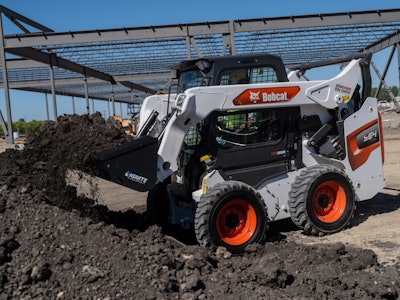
(231, 214)
(321, 200)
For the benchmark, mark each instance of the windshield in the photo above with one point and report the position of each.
(189, 79)
(194, 77)
(247, 75)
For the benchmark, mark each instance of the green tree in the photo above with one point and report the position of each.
(383, 93)
(33, 126)
(24, 128)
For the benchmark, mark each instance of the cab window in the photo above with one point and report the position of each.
(247, 75)
(243, 128)
(189, 79)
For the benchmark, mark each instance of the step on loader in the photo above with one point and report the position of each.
(243, 144)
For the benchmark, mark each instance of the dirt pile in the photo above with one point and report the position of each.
(55, 245)
(70, 143)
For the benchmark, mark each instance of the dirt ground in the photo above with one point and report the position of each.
(375, 226)
(55, 244)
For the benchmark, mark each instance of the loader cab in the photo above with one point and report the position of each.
(216, 134)
(228, 70)
(210, 71)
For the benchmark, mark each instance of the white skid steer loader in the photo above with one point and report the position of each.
(246, 145)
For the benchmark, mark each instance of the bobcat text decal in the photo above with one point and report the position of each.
(266, 95)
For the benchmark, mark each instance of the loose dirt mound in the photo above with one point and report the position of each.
(54, 244)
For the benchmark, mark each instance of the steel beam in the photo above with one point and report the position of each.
(193, 29)
(52, 59)
(22, 63)
(135, 33)
(12, 15)
(134, 86)
(383, 43)
(123, 80)
(80, 95)
(318, 20)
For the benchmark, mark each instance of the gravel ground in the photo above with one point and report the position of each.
(56, 245)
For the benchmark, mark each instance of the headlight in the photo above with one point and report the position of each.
(179, 101)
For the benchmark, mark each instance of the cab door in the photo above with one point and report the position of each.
(252, 146)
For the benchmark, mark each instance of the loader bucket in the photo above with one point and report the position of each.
(133, 164)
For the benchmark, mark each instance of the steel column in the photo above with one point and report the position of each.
(73, 104)
(53, 93)
(47, 107)
(193, 42)
(86, 95)
(8, 133)
(383, 82)
(232, 38)
(108, 107)
(385, 71)
(397, 102)
(113, 100)
(188, 48)
(398, 62)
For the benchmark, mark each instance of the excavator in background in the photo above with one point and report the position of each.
(243, 144)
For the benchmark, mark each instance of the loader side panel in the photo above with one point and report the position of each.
(133, 164)
(364, 143)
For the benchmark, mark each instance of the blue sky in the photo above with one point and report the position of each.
(74, 15)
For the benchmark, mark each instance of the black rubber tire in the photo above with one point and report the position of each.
(158, 205)
(321, 200)
(230, 206)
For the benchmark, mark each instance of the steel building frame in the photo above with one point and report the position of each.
(126, 64)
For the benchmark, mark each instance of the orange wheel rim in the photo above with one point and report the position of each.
(329, 201)
(236, 222)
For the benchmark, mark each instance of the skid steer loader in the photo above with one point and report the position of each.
(246, 144)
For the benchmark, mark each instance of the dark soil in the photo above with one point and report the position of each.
(56, 245)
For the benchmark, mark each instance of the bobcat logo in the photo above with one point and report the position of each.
(254, 96)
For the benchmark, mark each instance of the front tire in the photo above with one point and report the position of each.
(321, 200)
(231, 214)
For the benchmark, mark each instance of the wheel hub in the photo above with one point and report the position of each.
(324, 201)
(328, 201)
(236, 222)
(232, 220)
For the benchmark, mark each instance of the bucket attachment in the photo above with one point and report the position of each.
(133, 164)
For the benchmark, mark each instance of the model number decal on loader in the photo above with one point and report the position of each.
(136, 178)
(368, 137)
(266, 95)
(362, 142)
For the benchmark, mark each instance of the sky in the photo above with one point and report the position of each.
(75, 15)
